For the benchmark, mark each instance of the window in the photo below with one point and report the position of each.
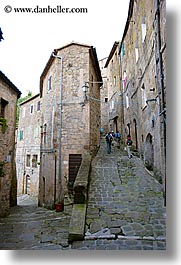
(123, 49)
(34, 160)
(44, 133)
(143, 27)
(112, 105)
(106, 100)
(144, 98)
(136, 54)
(31, 109)
(153, 123)
(114, 80)
(28, 160)
(21, 135)
(3, 104)
(38, 105)
(127, 101)
(37, 132)
(124, 79)
(50, 83)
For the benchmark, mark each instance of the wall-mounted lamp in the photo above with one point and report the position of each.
(85, 90)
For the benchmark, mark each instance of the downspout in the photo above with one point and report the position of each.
(60, 132)
(163, 110)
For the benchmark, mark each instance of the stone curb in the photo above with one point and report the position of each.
(150, 238)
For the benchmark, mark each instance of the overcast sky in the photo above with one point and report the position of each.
(29, 38)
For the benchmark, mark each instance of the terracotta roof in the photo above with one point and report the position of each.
(9, 83)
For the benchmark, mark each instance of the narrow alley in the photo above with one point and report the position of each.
(125, 212)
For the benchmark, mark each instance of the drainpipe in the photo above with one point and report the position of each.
(60, 132)
(163, 112)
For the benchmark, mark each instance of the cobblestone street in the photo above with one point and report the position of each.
(125, 209)
(125, 212)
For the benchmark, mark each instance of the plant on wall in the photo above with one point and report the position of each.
(3, 122)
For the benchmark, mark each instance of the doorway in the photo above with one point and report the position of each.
(28, 182)
(149, 152)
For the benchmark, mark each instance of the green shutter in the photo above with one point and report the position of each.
(21, 135)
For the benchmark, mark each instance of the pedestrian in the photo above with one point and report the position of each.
(129, 143)
(109, 139)
(113, 134)
(101, 132)
(118, 136)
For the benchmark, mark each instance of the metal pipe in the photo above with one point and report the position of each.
(60, 132)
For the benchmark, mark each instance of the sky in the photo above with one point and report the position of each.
(29, 38)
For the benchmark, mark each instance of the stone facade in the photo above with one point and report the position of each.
(143, 71)
(70, 117)
(28, 146)
(114, 89)
(104, 97)
(8, 102)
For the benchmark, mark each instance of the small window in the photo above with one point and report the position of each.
(50, 83)
(153, 123)
(143, 27)
(37, 132)
(28, 160)
(34, 160)
(31, 109)
(106, 100)
(21, 135)
(38, 105)
(124, 79)
(127, 101)
(114, 80)
(112, 105)
(144, 98)
(3, 104)
(123, 49)
(136, 54)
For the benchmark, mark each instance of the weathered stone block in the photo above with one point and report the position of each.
(77, 222)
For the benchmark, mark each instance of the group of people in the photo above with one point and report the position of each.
(110, 136)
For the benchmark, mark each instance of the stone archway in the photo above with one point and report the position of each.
(149, 152)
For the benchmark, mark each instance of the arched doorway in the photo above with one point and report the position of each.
(27, 188)
(149, 152)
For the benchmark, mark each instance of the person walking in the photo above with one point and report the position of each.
(109, 139)
(129, 143)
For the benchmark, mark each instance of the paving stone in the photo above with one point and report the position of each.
(124, 199)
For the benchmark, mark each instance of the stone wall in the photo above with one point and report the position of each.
(72, 123)
(104, 97)
(28, 146)
(140, 75)
(8, 188)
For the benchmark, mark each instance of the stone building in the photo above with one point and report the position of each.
(143, 71)
(114, 89)
(70, 117)
(9, 94)
(104, 97)
(28, 146)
